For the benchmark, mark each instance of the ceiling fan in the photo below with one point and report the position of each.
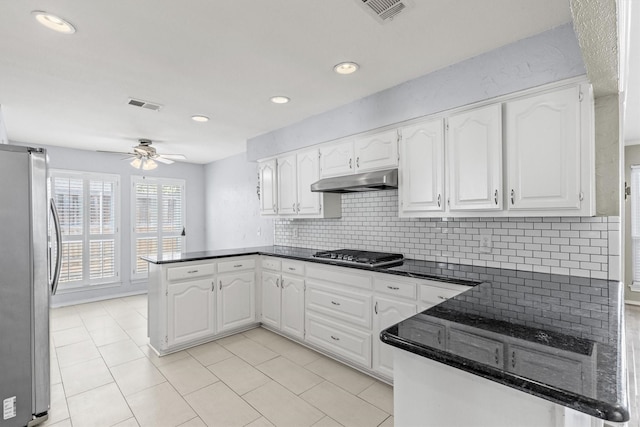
(144, 156)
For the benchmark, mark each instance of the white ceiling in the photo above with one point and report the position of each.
(225, 59)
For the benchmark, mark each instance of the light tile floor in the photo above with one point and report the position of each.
(104, 374)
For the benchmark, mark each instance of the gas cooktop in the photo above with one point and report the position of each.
(364, 258)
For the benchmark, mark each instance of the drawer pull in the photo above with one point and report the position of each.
(292, 269)
(393, 288)
(237, 266)
(192, 271)
(335, 303)
(335, 338)
(442, 298)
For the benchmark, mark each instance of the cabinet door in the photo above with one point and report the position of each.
(236, 300)
(271, 299)
(379, 151)
(475, 347)
(336, 159)
(287, 185)
(292, 313)
(387, 312)
(543, 151)
(421, 168)
(475, 159)
(268, 187)
(190, 311)
(308, 172)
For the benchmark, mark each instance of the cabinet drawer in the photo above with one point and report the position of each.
(339, 339)
(271, 264)
(341, 275)
(236, 265)
(433, 295)
(292, 267)
(190, 271)
(339, 304)
(395, 287)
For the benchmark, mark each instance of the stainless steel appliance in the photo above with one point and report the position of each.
(367, 181)
(25, 286)
(364, 258)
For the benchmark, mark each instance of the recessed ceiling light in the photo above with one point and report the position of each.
(346, 68)
(201, 119)
(53, 22)
(279, 99)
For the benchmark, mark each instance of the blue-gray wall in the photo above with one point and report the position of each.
(544, 58)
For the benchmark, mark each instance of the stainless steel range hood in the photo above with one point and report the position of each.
(368, 181)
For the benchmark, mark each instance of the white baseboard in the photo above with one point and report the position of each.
(99, 298)
(632, 302)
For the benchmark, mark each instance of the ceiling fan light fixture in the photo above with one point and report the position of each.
(279, 99)
(53, 22)
(136, 163)
(200, 119)
(345, 68)
(149, 164)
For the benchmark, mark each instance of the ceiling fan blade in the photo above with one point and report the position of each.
(115, 152)
(174, 156)
(161, 159)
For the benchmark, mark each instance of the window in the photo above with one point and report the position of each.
(158, 220)
(635, 225)
(89, 220)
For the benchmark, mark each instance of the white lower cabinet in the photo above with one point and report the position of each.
(236, 300)
(190, 307)
(387, 312)
(292, 306)
(344, 341)
(271, 299)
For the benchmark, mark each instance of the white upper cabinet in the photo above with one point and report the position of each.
(336, 159)
(474, 153)
(268, 187)
(366, 153)
(421, 178)
(287, 189)
(375, 152)
(549, 152)
(308, 172)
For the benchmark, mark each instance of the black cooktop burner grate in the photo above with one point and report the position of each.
(368, 258)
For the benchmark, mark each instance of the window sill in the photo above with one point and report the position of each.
(84, 288)
(635, 287)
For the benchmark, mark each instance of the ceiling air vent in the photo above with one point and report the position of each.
(144, 104)
(384, 10)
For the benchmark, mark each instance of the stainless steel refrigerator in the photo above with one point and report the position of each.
(26, 283)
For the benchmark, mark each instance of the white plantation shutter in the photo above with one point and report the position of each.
(87, 206)
(635, 223)
(158, 220)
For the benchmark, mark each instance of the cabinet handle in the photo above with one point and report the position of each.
(213, 286)
(495, 197)
(439, 200)
(277, 283)
(192, 271)
(497, 356)
(298, 207)
(335, 303)
(513, 359)
(220, 284)
(442, 298)
(274, 206)
(335, 338)
(393, 288)
(237, 265)
(513, 195)
(291, 269)
(358, 161)
(350, 163)
(375, 307)
(440, 337)
(294, 207)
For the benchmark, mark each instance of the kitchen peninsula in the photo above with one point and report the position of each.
(556, 339)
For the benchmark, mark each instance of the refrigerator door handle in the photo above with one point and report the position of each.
(56, 271)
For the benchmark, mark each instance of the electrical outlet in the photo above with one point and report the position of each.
(295, 232)
(485, 243)
(259, 231)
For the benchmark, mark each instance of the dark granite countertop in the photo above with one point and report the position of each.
(568, 318)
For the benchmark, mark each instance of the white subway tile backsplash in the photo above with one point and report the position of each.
(566, 245)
